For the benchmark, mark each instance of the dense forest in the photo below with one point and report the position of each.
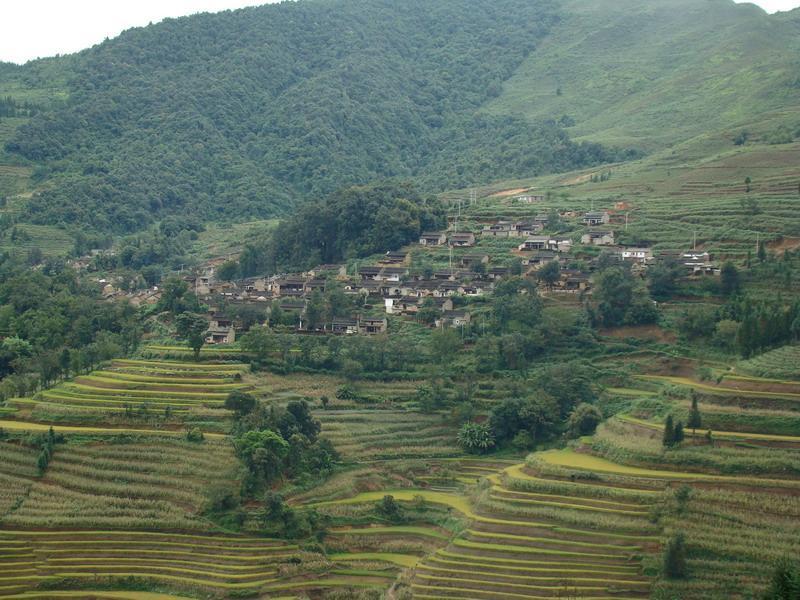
(245, 113)
(349, 223)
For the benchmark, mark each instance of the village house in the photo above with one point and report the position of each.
(698, 263)
(636, 255)
(344, 326)
(470, 260)
(289, 305)
(462, 240)
(393, 274)
(498, 272)
(323, 271)
(453, 318)
(526, 228)
(369, 272)
(540, 258)
(315, 285)
(536, 242)
(372, 325)
(596, 218)
(598, 238)
(546, 242)
(451, 288)
(254, 285)
(220, 330)
(500, 229)
(529, 198)
(395, 258)
(289, 286)
(542, 219)
(433, 239)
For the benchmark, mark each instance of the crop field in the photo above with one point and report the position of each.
(583, 522)
(783, 363)
(361, 435)
(52, 241)
(735, 500)
(180, 560)
(124, 482)
(17, 471)
(532, 537)
(134, 387)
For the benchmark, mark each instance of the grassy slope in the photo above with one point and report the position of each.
(649, 73)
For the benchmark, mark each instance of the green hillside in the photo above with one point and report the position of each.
(649, 73)
(246, 113)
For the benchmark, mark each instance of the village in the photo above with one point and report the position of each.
(439, 276)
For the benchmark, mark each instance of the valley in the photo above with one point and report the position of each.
(437, 300)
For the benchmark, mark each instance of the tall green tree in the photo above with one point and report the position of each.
(695, 420)
(675, 566)
(192, 328)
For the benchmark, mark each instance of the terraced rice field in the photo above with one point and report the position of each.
(783, 363)
(134, 385)
(536, 537)
(17, 472)
(130, 483)
(223, 563)
(736, 527)
(363, 435)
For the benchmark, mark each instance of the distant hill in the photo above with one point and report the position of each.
(650, 73)
(247, 113)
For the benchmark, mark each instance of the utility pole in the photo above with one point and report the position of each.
(450, 247)
(626, 220)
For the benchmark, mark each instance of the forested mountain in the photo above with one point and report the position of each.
(245, 113)
(252, 112)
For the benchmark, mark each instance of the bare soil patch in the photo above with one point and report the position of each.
(506, 193)
(643, 332)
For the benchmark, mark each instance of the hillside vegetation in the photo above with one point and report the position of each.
(650, 73)
(245, 113)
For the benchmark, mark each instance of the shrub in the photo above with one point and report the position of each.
(476, 438)
(195, 435)
(583, 420)
(675, 557)
(785, 582)
(240, 402)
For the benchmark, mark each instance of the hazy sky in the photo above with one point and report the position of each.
(35, 28)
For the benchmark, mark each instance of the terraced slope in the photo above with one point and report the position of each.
(132, 392)
(537, 537)
(736, 527)
(224, 563)
(17, 472)
(655, 72)
(783, 363)
(388, 434)
(131, 483)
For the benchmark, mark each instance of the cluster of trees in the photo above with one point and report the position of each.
(562, 403)
(147, 254)
(352, 222)
(767, 324)
(516, 330)
(274, 443)
(355, 357)
(744, 324)
(673, 433)
(239, 114)
(56, 325)
(619, 299)
(11, 108)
